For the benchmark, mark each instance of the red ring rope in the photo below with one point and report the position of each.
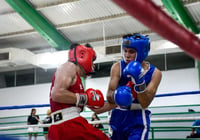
(158, 21)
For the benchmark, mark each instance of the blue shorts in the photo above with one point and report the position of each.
(130, 124)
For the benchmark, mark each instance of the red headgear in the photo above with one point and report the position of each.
(84, 55)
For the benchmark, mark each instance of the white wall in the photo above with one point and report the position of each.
(24, 95)
(179, 81)
(172, 82)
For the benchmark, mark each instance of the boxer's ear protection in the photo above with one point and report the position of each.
(74, 46)
(138, 42)
(83, 55)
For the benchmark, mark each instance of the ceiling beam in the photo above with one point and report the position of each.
(179, 13)
(40, 24)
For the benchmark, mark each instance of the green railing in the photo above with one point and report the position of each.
(170, 129)
(153, 130)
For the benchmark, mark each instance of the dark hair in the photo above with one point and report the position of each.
(96, 117)
(33, 109)
(73, 45)
(77, 44)
(88, 45)
(129, 35)
(191, 110)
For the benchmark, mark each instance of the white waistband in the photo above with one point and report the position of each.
(65, 114)
(134, 106)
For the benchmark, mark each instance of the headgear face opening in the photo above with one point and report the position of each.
(138, 42)
(84, 55)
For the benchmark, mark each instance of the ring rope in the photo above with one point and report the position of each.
(47, 105)
(102, 121)
(158, 21)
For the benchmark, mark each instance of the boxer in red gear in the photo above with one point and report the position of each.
(68, 98)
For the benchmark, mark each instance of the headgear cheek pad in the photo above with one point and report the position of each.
(82, 55)
(138, 42)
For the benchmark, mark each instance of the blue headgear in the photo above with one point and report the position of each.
(138, 42)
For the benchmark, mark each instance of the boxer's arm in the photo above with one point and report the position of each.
(113, 83)
(147, 96)
(107, 107)
(145, 93)
(65, 76)
(112, 86)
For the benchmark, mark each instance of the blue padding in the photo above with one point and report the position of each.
(23, 106)
(47, 105)
(4, 137)
(177, 94)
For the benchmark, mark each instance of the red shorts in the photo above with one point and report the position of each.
(75, 129)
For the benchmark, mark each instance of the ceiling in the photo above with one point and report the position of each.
(99, 22)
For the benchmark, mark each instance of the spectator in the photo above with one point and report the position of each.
(33, 119)
(47, 120)
(195, 131)
(191, 110)
(96, 118)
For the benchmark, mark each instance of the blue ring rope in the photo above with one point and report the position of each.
(178, 94)
(47, 105)
(23, 106)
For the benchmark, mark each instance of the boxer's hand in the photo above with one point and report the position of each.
(92, 98)
(131, 85)
(95, 98)
(123, 96)
(136, 72)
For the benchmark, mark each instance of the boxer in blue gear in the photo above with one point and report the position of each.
(133, 121)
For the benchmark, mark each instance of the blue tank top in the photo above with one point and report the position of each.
(126, 122)
(124, 80)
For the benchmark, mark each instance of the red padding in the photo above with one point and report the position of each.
(158, 21)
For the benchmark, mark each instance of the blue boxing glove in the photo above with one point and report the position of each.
(123, 96)
(136, 72)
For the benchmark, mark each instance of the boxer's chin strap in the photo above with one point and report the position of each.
(73, 62)
(90, 73)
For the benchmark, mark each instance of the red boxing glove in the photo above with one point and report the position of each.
(131, 85)
(95, 98)
(92, 98)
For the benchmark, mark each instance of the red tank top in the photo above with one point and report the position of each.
(76, 88)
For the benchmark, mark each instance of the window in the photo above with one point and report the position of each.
(179, 61)
(44, 76)
(102, 69)
(171, 61)
(25, 77)
(158, 61)
(7, 79)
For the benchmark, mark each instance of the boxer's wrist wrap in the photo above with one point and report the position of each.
(81, 99)
(112, 99)
(139, 88)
